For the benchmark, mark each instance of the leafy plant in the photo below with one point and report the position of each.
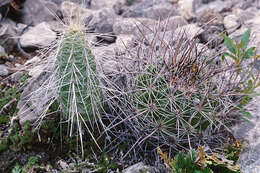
(17, 169)
(199, 162)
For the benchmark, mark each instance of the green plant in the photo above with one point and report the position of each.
(239, 52)
(79, 93)
(9, 97)
(199, 162)
(17, 169)
(19, 138)
(179, 97)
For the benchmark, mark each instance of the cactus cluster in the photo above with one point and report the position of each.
(178, 96)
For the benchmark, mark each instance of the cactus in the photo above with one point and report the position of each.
(177, 96)
(78, 92)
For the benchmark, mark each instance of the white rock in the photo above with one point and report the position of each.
(137, 168)
(187, 9)
(191, 30)
(231, 22)
(2, 51)
(39, 36)
(3, 70)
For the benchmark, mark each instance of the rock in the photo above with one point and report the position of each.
(140, 167)
(160, 12)
(144, 8)
(8, 35)
(191, 30)
(34, 38)
(210, 35)
(132, 26)
(123, 41)
(38, 11)
(231, 23)
(103, 20)
(118, 8)
(1, 16)
(217, 5)
(244, 15)
(2, 51)
(3, 70)
(4, 2)
(187, 9)
(16, 76)
(71, 10)
(174, 22)
(249, 132)
(63, 164)
(105, 38)
(246, 4)
(209, 17)
(212, 23)
(35, 97)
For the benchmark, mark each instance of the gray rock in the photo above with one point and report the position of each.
(231, 23)
(187, 9)
(8, 35)
(132, 26)
(103, 20)
(144, 8)
(191, 30)
(249, 132)
(160, 12)
(4, 2)
(39, 36)
(2, 51)
(175, 22)
(36, 97)
(71, 10)
(218, 6)
(1, 16)
(16, 76)
(38, 11)
(3, 70)
(244, 15)
(139, 167)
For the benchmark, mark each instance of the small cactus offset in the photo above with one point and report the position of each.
(78, 92)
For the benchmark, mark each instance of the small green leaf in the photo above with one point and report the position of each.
(245, 39)
(229, 43)
(250, 83)
(230, 55)
(247, 114)
(250, 51)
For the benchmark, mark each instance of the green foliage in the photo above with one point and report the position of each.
(12, 96)
(18, 139)
(186, 164)
(238, 51)
(201, 162)
(9, 97)
(17, 169)
(26, 168)
(105, 164)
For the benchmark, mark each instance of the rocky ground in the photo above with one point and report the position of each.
(27, 26)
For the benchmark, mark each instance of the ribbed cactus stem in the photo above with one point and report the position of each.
(79, 94)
